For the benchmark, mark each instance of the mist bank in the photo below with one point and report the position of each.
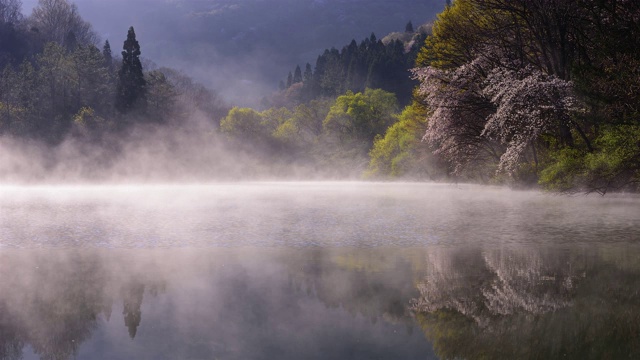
(155, 154)
(486, 108)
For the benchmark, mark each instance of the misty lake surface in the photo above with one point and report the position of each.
(313, 270)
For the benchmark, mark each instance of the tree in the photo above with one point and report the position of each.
(107, 55)
(60, 22)
(297, 75)
(161, 97)
(58, 79)
(457, 118)
(243, 122)
(361, 116)
(409, 27)
(92, 86)
(308, 74)
(307, 83)
(400, 152)
(528, 104)
(289, 80)
(132, 87)
(14, 38)
(540, 89)
(10, 11)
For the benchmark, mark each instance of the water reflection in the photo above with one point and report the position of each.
(341, 303)
(316, 271)
(532, 303)
(53, 301)
(203, 304)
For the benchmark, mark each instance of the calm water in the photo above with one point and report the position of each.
(317, 271)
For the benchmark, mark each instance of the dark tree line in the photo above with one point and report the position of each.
(373, 63)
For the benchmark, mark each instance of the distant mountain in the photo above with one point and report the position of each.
(242, 47)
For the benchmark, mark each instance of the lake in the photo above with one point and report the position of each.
(317, 270)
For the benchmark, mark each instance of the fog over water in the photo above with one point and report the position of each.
(290, 214)
(289, 270)
(173, 241)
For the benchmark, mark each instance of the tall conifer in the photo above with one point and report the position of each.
(132, 87)
(108, 57)
(297, 75)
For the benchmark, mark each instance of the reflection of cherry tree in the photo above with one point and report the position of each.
(447, 285)
(519, 303)
(524, 283)
(482, 285)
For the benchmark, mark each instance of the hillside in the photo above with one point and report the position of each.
(242, 48)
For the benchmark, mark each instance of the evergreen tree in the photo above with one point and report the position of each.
(132, 87)
(289, 80)
(297, 75)
(409, 27)
(308, 74)
(108, 57)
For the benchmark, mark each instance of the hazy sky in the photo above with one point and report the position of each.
(242, 48)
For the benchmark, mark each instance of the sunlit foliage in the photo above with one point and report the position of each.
(400, 152)
(361, 116)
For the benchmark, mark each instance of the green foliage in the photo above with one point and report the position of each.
(243, 122)
(361, 116)
(333, 135)
(455, 35)
(400, 151)
(566, 165)
(161, 97)
(613, 165)
(303, 126)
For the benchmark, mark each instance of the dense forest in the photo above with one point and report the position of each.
(375, 64)
(530, 93)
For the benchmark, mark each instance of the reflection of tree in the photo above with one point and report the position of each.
(10, 343)
(508, 304)
(133, 295)
(53, 301)
(371, 283)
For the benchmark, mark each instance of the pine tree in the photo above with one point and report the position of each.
(409, 27)
(108, 57)
(297, 75)
(308, 74)
(289, 80)
(132, 87)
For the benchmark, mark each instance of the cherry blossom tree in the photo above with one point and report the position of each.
(459, 112)
(528, 104)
